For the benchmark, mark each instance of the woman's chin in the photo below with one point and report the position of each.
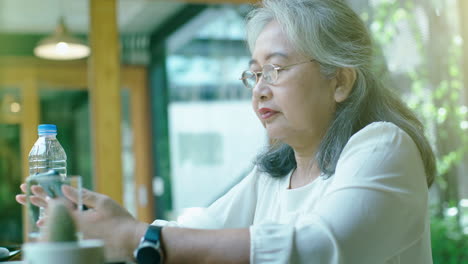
(274, 134)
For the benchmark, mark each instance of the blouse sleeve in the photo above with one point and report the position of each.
(233, 210)
(374, 209)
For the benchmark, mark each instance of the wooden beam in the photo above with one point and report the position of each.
(29, 122)
(56, 75)
(141, 124)
(65, 77)
(30, 117)
(14, 76)
(104, 84)
(28, 61)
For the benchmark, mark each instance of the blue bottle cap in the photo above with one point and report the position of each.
(47, 129)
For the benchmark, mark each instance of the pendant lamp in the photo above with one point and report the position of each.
(61, 45)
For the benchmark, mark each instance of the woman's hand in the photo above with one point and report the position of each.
(39, 198)
(107, 220)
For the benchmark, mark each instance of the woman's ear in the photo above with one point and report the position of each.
(345, 78)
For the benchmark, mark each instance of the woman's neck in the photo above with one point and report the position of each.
(307, 168)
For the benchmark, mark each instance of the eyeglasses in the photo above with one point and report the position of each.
(269, 73)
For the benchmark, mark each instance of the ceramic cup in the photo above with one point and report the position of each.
(81, 252)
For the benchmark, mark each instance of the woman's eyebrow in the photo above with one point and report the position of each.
(269, 56)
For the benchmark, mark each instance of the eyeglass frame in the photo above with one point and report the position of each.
(277, 68)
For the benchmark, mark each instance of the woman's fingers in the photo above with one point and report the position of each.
(70, 192)
(38, 201)
(39, 191)
(23, 187)
(88, 197)
(21, 198)
(39, 198)
(42, 221)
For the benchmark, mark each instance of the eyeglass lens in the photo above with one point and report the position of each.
(249, 79)
(269, 74)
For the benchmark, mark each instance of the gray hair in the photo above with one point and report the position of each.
(333, 34)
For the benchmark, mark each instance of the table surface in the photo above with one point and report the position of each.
(22, 262)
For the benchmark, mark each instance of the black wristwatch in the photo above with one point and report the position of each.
(149, 251)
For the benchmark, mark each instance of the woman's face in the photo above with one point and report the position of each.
(301, 99)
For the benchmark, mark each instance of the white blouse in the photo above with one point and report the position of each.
(373, 210)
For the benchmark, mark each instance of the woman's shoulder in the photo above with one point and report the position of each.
(382, 133)
(379, 127)
(380, 145)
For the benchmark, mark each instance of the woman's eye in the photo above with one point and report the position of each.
(280, 64)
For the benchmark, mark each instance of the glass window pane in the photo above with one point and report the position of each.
(69, 110)
(214, 134)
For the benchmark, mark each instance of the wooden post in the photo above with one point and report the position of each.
(141, 124)
(29, 122)
(104, 84)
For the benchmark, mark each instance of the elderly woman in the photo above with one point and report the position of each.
(345, 179)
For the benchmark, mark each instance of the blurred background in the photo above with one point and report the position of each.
(156, 118)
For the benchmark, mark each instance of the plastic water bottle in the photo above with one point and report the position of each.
(46, 157)
(47, 153)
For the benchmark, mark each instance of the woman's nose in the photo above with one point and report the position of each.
(262, 90)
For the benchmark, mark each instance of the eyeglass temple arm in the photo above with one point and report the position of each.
(285, 67)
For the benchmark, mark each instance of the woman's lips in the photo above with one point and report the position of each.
(266, 113)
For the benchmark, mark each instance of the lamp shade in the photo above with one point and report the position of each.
(61, 45)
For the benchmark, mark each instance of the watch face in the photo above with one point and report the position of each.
(148, 255)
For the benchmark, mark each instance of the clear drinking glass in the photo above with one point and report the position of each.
(43, 188)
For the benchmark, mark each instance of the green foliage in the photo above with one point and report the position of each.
(435, 93)
(449, 244)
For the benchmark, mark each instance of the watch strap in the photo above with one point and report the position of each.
(149, 251)
(153, 234)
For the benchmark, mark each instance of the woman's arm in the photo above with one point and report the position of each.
(184, 245)
(122, 233)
